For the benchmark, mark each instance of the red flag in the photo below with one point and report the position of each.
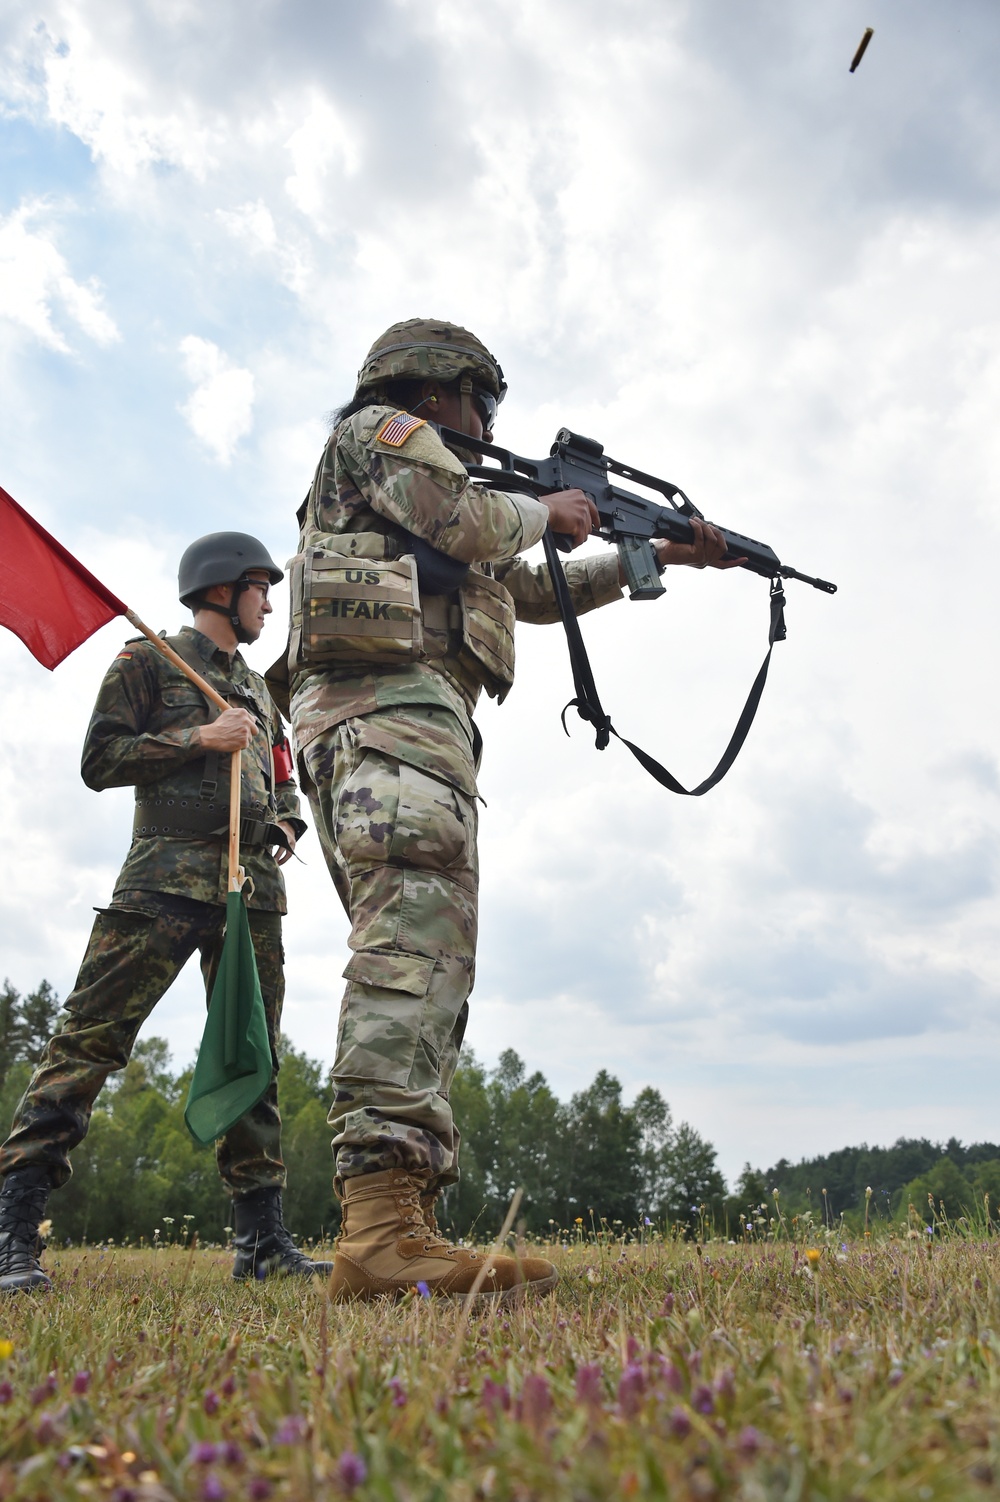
(47, 598)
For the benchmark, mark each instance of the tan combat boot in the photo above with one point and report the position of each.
(386, 1248)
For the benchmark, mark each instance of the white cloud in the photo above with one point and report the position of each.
(83, 76)
(220, 409)
(319, 142)
(36, 285)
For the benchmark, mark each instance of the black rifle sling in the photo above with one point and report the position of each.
(587, 701)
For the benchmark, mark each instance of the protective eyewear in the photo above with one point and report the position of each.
(262, 584)
(486, 405)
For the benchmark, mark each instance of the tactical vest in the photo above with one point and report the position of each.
(193, 800)
(357, 599)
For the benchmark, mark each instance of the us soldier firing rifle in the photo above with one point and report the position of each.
(404, 597)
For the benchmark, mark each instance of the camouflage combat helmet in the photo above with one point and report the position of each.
(421, 349)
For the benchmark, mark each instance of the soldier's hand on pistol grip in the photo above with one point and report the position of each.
(572, 513)
(232, 731)
(707, 550)
(281, 855)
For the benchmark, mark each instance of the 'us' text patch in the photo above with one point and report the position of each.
(397, 430)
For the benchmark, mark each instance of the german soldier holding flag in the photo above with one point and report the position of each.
(153, 729)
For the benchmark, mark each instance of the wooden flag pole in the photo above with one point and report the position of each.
(236, 873)
(177, 660)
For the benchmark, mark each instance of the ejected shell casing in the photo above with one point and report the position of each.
(869, 33)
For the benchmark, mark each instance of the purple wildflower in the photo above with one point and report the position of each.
(423, 1290)
(702, 1399)
(124, 1494)
(210, 1402)
(680, 1422)
(496, 1396)
(6, 1393)
(203, 1453)
(667, 1307)
(670, 1376)
(45, 1429)
(212, 1489)
(632, 1349)
(398, 1392)
(631, 1389)
(43, 1390)
(230, 1454)
(750, 1441)
(291, 1430)
(535, 1402)
(895, 1376)
(229, 1386)
(81, 1382)
(351, 1471)
(725, 1384)
(258, 1489)
(589, 1385)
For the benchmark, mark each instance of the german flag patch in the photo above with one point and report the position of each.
(125, 653)
(397, 430)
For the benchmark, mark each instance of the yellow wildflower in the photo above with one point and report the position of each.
(813, 1255)
(6, 1350)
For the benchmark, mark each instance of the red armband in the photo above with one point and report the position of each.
(284, 767)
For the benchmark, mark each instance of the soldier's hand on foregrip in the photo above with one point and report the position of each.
(706, 551)
(571, 514)
(232, 731)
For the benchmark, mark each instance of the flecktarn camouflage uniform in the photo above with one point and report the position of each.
(388, 756)
(169, 899)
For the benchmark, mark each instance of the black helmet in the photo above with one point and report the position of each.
(222, 558)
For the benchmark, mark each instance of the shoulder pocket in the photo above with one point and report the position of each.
(182, 695)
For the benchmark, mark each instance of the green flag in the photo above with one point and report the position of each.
(234, 1060)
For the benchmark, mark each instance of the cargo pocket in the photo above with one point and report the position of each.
(114, 966)
(435, 825)
(366, 810)
(382, 1014)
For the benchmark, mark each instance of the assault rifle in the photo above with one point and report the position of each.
(631, 522)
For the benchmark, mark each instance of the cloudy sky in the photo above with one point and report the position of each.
(687, 230)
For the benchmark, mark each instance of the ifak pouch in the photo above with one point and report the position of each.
(351, 608)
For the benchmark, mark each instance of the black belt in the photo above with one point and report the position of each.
(177, 818)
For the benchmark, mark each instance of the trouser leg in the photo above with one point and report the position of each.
(249, 1155)
(132, 958)
(403, 846)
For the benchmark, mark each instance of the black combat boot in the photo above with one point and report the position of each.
(264, 1249)
(23, 1198)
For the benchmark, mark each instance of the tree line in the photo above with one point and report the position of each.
(593, 1160)
(931, 1176)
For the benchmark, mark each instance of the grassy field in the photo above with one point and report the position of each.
(862, 1370)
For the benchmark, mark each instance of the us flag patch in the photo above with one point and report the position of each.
(397, 430)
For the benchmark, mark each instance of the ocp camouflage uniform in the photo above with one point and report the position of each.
(389, 755)
(169, 899)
